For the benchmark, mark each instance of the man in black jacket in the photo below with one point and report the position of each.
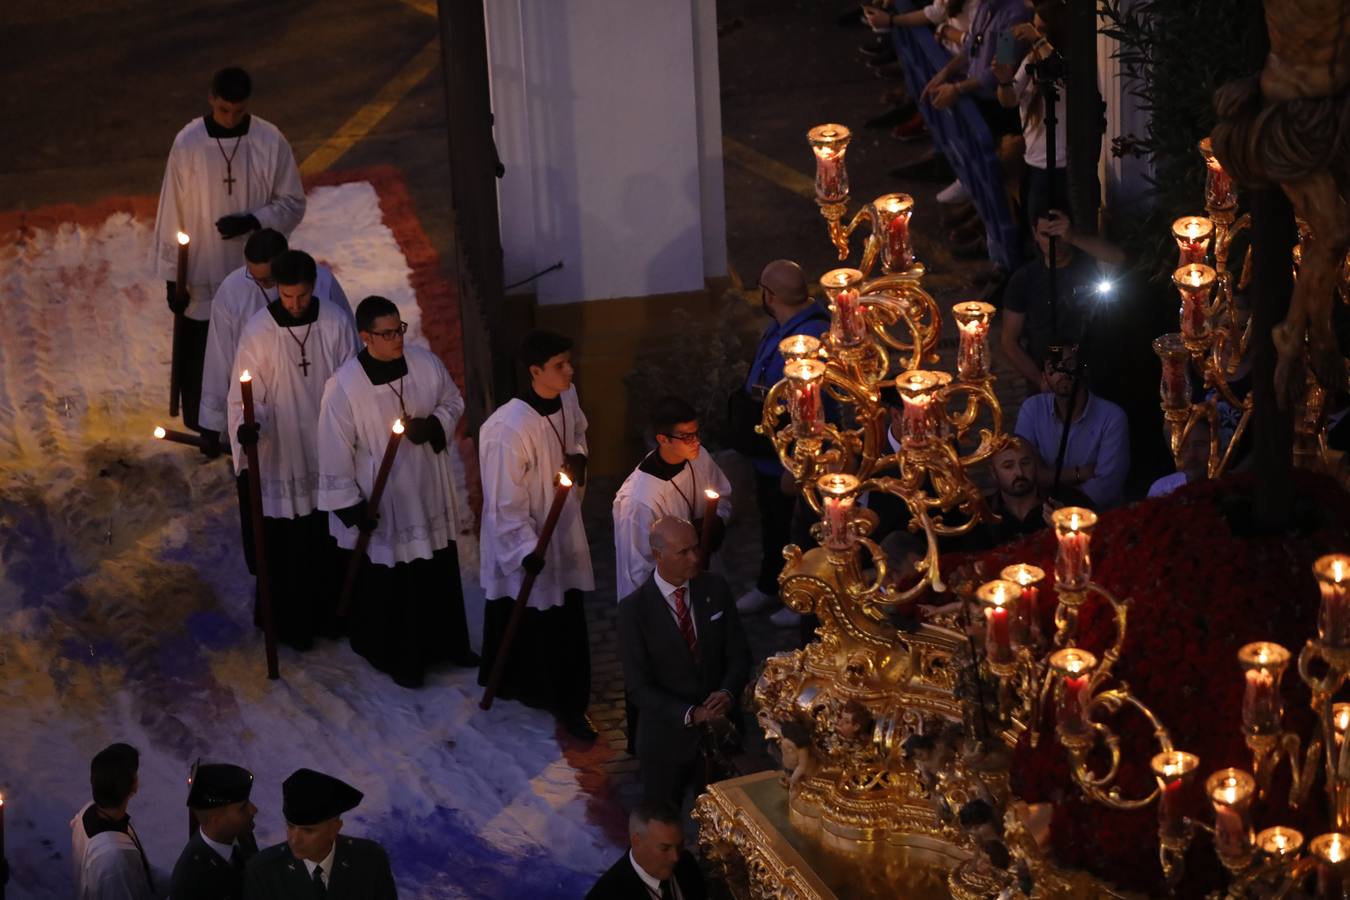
(211, 866)
(315, 862)
(657, 865)
(685, 660)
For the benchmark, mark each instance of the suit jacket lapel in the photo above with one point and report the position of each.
(297, 876)
(665, 622)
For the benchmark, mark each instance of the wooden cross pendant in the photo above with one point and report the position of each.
(304, 365)
(229, 179)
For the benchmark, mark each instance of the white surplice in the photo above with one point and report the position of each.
(286, 402)
(235, 302)
(643, 498)
(519, 458)
(417, 510)
(108, 866)
(194, 195)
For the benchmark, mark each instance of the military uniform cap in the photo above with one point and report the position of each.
(309, 797)
(218, 784)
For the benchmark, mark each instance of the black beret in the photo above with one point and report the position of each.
(218, 784)
(309, 797)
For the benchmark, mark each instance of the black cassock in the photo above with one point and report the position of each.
(360, 872)
(201, 873)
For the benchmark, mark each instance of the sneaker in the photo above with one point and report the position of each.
(753, 600)
(786, 618)
(953, 193)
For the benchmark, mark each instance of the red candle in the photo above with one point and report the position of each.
(709, 517)
(1074, 666)
(892, 227)
(1279, 842)
(1073, 563)
(917, 391)
(1333, 624)
(1263, 665)
(1174, 770)
(1219, 193)
(1027, 622)
(1175, 387)
(180, 437)
(1192, 234)
(246, 396)
(180, 286)
(972, 326)
(829, 143)
(1230, 791)
(849, 325)
(804, 377)
(1330, 851)
(1195, 283)
(999, 599)
(837, 492)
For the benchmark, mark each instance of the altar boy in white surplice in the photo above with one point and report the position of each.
(521, 448)
(408, 611)
(290, 348)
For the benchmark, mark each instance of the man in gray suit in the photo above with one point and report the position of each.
(685, 660)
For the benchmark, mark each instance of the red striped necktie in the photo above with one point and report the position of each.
(685, 621)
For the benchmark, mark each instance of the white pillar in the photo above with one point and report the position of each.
(609, 125)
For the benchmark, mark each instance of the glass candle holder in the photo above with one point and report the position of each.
(998, 599)
(1263, 665)
(1175, 387)
(972, 326)
(892, 226)
(1074, 665)
(1231, 791)
(1279, 841)
(1333, 620)
(1027, 622)
(1195, 283)
(837, 493)
(1330, 852)
(1340, 721)
(829, 143)
(918, 392)
(799, 346)
(1219, 193)
(848, 325)
(1175, 771)
(1073, 560)
(805, 377)
(1192, 234)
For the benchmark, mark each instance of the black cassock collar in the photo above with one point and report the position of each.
(286, 320)
(539, 404)
(219, 131)
(382, 371)
(657, 467)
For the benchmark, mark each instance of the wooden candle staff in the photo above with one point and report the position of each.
(523, 598)
(259, 544)
(372, 504)
(709, 523)
(180, 291)
(178, 437)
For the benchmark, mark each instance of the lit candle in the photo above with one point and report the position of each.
(1192, 234)
(799, 346)
(917, 391)
(804, 378)
(1263, 665)
(1174, 770)
(2, 833)
(972, 325)
(999, 599)
(837, 492)
(179, 437)
(709, 521)
(1073, 562)
(1175, 387)
(1333, 621)
(1219, 193)
(180, 286)
(1279, 841)
(1027, 622)
(1330, 851)
(1194, 282)
(1231, 791)
(893, 212)
(848, 324)
(829, 143)
(246, 395)
(1074, 665)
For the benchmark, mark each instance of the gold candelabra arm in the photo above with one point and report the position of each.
(978, 394)
(896, 299)
(840, 233)
(1110, 657)
(1303, 766)
(1101, 788)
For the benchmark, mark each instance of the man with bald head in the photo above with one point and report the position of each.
(685, 660)
(783, 297)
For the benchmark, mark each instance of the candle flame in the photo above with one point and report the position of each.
(1338, 571)
(183, 238)
(1335, 849)
(244, 376)
(711, 494)
(1341, 717)
(563, 480)
(160, 432)
(1074, 522)
(398, 426)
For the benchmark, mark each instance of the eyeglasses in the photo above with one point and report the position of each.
(392, 332)
(691, 437)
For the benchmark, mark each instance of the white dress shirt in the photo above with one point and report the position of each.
(653, 884)
(668, 594)
(327, 864)
(224, 851)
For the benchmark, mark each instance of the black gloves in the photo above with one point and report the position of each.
(247, 435)
(532, 563)
(177, 305)
(359, 515)
(575, 466)
(425, 429)
(210, 446)
(235, 226)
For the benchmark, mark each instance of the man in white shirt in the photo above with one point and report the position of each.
(656, 865)
(1193, 465)
(110, 863)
